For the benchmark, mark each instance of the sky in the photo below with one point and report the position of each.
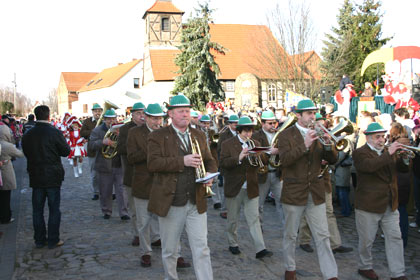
(41, 39)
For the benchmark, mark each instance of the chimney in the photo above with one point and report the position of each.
(119, 63)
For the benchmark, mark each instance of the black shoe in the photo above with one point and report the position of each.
(106, 216)
(40, 245)
(234, 250)
(125, 218)
(95, 197)
(113, 197)
(307, 248)
(217, 205)
(223, 215)
(342, 249)
(157, 244)
(263, 253)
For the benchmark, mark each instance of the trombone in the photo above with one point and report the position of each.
(255, 160)
(200, 172)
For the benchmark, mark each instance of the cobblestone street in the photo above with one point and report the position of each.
(95, 248)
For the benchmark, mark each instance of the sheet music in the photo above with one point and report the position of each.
(207, 178)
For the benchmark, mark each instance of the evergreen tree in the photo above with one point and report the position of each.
(358, 34)
(198, 79)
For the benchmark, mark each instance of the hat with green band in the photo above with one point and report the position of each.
(205, 118)
(268, 115)
(319, 117)
(110, 113)
(138, 106)
(179, 101)
(96, 106)
(233, 118)
(154, 110)
(374, 128)
(305, 105)
(194, 114)
(245, 121)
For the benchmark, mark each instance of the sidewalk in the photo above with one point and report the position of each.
(95, 248)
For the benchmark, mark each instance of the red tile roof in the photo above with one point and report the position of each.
(250, 49)
(109, 76)
(75, 80)
(309, 61)
(163, 7)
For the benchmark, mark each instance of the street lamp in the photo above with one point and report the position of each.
(14, 92)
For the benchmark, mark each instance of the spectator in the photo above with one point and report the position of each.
(30, 124)
(43, 145)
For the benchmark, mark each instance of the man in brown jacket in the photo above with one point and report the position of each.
(269, 181)
(137, 119)
(241, 187)
(301, 154)
(376, 201)
(175, 196)
(226, 133)
(87, 126)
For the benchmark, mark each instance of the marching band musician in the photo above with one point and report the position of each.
(87, 126)
(175, 196)
(109, 171)
(241, 187)
(376, 201)
(205, 127)
(270, 180)
(137, 119)
(226, 133)
(303, 192)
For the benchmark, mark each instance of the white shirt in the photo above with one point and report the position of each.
(303, 130)
(379, 152)
(269, 135)
(244, 145)
(233, 132)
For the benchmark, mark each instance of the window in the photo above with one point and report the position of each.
(165, 24)
(85, 108)
(136, 82)
(230, 86)
(272, 91)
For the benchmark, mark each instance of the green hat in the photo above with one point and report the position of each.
(319, 117)
(374, 128)
(245, 121)
(178, 101)
(96, 106)
(138, 106)
(194, 114)
(110, 113)
(268, 115)
(154, 110)
(305, 105)
(233, 118)
(205, 118)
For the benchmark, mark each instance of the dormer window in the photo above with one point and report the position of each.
(165, 24)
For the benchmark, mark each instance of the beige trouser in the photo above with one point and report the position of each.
(274, 184)
(233, 205)
(305, 235)
(148, 226)
(367, 227)
(317, 220)
(195, 225)
(132, 209)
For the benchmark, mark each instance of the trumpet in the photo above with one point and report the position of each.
(339, 141)
(200, 172)
(255, 160)
(411, 151)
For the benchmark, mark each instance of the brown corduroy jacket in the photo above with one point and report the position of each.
(235, 172)
(141, 180)
(122, 150)
(164, 161)
(301, 167)
(376, 179)
(87, 127)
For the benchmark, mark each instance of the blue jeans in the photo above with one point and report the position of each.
(343, 197)
(402, 208)
(417, 197)
(39, 195)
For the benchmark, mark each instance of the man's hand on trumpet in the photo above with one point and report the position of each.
(395, 146)
(192, 160)
(108, 142)
(244, 153)
(310, 137)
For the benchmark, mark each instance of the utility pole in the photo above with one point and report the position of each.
(14, 93)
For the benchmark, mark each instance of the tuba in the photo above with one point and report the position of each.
(200, 172)
(274, 160)
(107, 105)
(110, 152)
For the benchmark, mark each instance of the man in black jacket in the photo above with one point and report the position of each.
(43, 145)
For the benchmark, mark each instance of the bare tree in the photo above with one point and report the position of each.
(290, 59)
(23, 103)
(52, 100)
